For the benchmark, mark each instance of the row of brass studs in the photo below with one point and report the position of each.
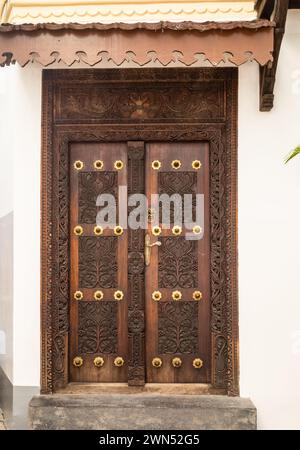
(118, 230)
(98, 361)
(176, 230)
(176, 362)
(176, 295)
(98, 295)
(99, 165)
(176, 164)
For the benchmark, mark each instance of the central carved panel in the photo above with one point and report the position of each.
(178, 327)
(97, 327)
(112, 103)
(177, 263)
(98, 266)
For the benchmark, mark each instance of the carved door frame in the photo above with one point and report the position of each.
(220, 132)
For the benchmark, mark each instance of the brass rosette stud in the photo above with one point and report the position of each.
(98, 295)
(98, 230)
(98, 165)
(197, 229)
(197, 295)
(156, 165)
(196, 164)
(118, 230)
(77, 361)
(156, 296)
(118, 295)
(197, 363)
(78, 230)
(118, 165)
(176, 295)
(157, 363)
(176, 230)
(156, 231)
(176, 164)
(98, 361)
(78, 295)
(119, 361)
(176, 362)
(78, 165)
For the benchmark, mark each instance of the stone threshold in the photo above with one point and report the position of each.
(141, 411)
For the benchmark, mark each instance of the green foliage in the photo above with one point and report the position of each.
(293, 154)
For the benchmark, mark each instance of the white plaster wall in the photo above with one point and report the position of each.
(6, 228)
(269, 241)
(269, 247)
(27, 149)
(20, 130)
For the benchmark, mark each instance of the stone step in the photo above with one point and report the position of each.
(141, 412)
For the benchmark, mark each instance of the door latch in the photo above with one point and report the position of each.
(148, 247)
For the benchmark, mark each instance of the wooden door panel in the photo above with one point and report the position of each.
(178, 328)
(98, 327)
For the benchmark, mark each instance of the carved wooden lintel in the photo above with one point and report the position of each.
(268, 72)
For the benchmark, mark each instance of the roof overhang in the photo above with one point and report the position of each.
(140, 43)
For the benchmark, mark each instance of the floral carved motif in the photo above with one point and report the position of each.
(98, 267)
(177, 263)
(92, 184)
(178, 327)
(97, 331)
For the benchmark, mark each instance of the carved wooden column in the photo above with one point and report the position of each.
(136, 288)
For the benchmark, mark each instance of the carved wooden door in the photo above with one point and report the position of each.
(128, 324)
(98, 311)
(177, 278)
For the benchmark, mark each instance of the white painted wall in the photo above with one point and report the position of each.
(20, 113)
(6, 228)
(269, 241)
(269, 247)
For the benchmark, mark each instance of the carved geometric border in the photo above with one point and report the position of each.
(55, 247)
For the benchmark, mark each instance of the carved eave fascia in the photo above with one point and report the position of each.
(140, 44)
(278, 10)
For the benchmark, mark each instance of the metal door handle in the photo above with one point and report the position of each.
(148, 247)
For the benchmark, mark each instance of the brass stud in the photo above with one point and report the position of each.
(78, 295)
(156, 296)
(118, 165)
(78, 165)
(156, 165)
(118, 295)
(176, 295)
(98, 165)
(197, 229)
(118, 230)
(156, 231)
(98, 361)
(77, 361)
(176, 164)
(119, 361)
(197, 363)
(196, 164)
(197, 295)
(176, 230)
(176, 362)
(98, 230)
(78, 230)
(157, 363)
(98, 295)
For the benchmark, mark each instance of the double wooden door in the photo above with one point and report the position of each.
(140, 296)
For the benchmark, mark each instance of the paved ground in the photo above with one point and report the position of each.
(2, 425)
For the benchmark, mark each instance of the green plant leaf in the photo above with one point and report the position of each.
(292, 155)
